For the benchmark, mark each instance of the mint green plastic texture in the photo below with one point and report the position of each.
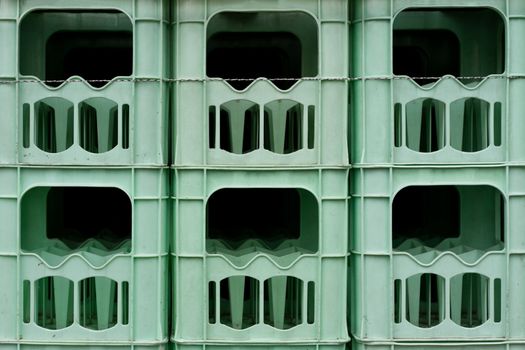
(265, 253)
(254, 83)
(84, 255)
(85, 82)
(437, 181)
(448, 102)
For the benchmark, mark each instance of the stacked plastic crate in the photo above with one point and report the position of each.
(260, 174)
(437, 192)
(84, 177)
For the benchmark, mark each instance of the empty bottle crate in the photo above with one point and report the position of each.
(265, 252)
(261, 84)
(86, 257)
(89, 85)
(436, 243)
(434, 87)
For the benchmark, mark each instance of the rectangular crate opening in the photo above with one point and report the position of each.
(96, 45)
(251, 45)
(262, 220)
(466, 220)
(464, 42)
(92, 221)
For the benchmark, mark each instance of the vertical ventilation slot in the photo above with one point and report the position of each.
(26, 126)
(311, 303)
(98, 303)
(27, 301)
(463, 42)
(398, 125)
(239, 307)
(125, 303)
(95, 45)
(311, 127)
(425, 125)
(497, 124)
(469, 124)
(53, 124)
(397, 301)
(212, 127)
(125, 126)
(251, 45)
(469, 299)
(98, 125)
(497, 300)
(54, 302)
(425, 300)
(212, 306)
(283, 300)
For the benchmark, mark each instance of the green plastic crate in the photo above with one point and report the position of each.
(262, 271)
(259, 120)
(412, 104)
(114, 112)
(77, 276)
(430, 260)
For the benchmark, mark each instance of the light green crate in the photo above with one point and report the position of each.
(399, 255)
(462, 113)
(122, 119)
(261, 123)
(69, 283)
(294, 283)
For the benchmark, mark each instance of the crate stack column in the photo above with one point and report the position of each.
(260, 178)
(371, 122)
(431, 206)
(84, 189)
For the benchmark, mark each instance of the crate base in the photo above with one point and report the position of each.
(237, 346)
(20, 346)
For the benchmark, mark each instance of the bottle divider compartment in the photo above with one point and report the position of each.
(468, 299)
(281, 126)
(282, 302)
(49, 302)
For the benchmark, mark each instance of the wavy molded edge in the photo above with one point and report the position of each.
(260, 256)
(76, 255)
(454, 255)
(262, 80)
(77, 79)
(453, 78)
